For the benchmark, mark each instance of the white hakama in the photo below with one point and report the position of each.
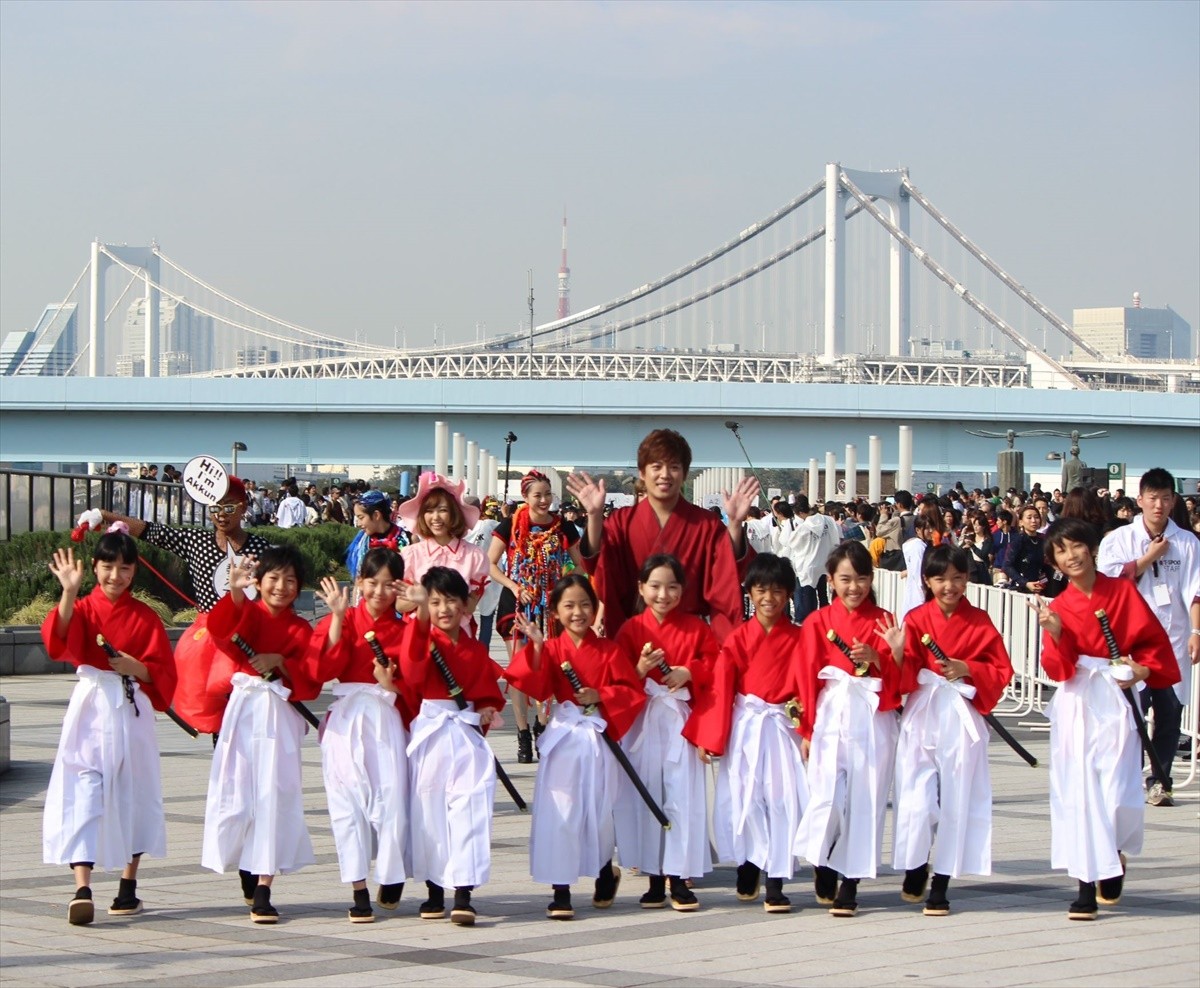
(365, 767)
(1097, 806)
(452, 774)
(674, 776)
(761, 788)
(104, 801)
(943, 787)
(572, 833)
(254, 814)
(850, 766)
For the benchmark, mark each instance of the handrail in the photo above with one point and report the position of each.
(39, 501)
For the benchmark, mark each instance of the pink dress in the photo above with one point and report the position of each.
(467, 559)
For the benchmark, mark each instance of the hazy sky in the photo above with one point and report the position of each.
(371, 165)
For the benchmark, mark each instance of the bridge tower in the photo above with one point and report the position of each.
(887, 187)
(564, 276)
(144, 259)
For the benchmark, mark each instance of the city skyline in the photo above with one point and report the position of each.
(408, 164)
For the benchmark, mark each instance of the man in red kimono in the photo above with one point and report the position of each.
(713, 554)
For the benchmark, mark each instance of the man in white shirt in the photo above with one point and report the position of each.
(1164, 561)
(291, 511)
(808, 547)
(481, 535)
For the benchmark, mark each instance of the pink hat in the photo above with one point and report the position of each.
(429, 481)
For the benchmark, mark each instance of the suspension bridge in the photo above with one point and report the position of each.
(821, 290)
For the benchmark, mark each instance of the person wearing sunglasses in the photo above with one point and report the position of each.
(209, 554)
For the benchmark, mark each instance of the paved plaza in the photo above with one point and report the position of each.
(1009, 929)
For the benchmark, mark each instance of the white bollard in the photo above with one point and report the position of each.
(830, 476)
(441, 448)
(874, 469)
(904, 473)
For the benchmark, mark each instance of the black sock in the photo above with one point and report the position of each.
(127, 889)
(362, 898)
(938, 887)
(262, 896)
(462, 896)
(562, 895)
(83, 892)
(658, 885)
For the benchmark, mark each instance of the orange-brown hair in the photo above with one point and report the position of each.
(664, 446)
(458, 524)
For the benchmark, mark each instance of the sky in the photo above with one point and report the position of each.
(372, 167)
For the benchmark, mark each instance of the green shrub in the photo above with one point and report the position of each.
(35, 611)
(185, 617)
(156, 605)
(323, 547)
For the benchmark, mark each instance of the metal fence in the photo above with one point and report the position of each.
(1030, 690)
(35, 501)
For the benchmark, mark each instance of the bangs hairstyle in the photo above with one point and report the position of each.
(1156, 479)
(381, 558)
(446, 581)
(768, 570)
(458, 524)
(664, 446)
(945, 557)
(1070, 530)
(857, 555)
(115, 547)
(658, 560)
(281, 557)
(573, 580)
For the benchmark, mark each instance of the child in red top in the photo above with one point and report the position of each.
(848, 712)
(1097, 808)
(572, 834)
(254, 815)
(104, 802)
(761, 789)
(363, 740)
(942, 780)
(662, 634)
(451, 768)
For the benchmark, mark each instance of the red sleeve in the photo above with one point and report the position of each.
(701, 659)
(324, 662)
(296, 636)
(481, 688)
(1141, 636)
(916, 656)
(159, 661)
(1059, 658)
(990, 668)
(810, 664)
(712, 712)
(70, 647)
(622, 694)
(535, 682)
(414, 655)
(723, 583)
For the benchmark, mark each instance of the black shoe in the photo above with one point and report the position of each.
(915, 881)
(538, 730)
(435, 906)
(388, 896)
(656, 895)
(824, 885)
(846, 902)
(560, 906)
(463, 913)
(1085, 906)
(249, 884)
(937, 904)
(524, 746)
(748, 879)
(607, 883)
(683, 900)
(81, 910)
(262, 911)
(775, 901)
(361, 911)
(1109, 889)
(126, 903)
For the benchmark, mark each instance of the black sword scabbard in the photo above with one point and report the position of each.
(619, 753)
(1139, 719)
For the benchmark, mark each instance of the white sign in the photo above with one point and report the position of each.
(205, 479)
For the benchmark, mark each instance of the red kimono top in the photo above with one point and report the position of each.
(129, 626)
(817, 652)
(1138, 632)
(286, 634)
(967, 635)
(352, 660)
(697, 538)
(599, 662)
(754, 662)
(468, 661)
(685, 639)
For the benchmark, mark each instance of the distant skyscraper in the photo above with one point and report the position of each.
(182, 333)
(1150, 334)
(253, 356)
(564, 276)
(48, 350)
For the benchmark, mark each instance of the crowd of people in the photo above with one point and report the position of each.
(644, 643)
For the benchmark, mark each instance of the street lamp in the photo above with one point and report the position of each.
(237, 448)
(508, 441)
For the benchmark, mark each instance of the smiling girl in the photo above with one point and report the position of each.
(942, 783)
(104, 801)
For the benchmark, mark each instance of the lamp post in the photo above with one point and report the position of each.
(508, 441)
(237, 448)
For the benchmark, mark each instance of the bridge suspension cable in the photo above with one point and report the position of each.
(316, 337)
(1021, 291)
(954, 284)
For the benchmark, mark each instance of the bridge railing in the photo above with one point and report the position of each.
(38, 501)
(1031, 688)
